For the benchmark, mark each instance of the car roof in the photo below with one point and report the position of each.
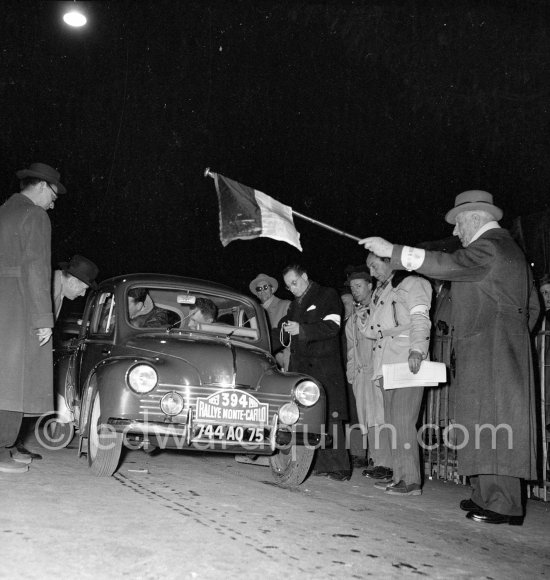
(168, 279)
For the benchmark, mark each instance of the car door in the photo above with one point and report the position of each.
(97, 338)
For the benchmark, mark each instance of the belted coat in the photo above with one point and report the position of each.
(495, 305)
(26, 382)
(316, 350)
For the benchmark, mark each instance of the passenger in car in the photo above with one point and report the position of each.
(143, 312)
(204, 311)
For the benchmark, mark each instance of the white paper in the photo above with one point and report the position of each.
(398, 375)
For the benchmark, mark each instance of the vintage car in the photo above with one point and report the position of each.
(154, 381)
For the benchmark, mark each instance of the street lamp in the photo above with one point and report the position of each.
(75, 18)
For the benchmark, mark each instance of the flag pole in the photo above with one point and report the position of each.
(326, 226)
(208, 173)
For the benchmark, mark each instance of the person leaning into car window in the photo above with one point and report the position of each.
(204, 311)
(143, 312)
(72, 280)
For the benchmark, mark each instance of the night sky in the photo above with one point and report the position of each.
(369, 116)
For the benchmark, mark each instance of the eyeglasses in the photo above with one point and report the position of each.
(53, 191)
(293, 284)
(264, 287)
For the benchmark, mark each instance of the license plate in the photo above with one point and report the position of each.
(231, 407)
(229, 433)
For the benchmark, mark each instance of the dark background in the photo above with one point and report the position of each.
(369, 116)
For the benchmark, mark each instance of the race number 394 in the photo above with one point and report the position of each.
(234, 400)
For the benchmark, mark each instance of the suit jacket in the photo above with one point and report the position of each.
(316, 350)
(495, 305)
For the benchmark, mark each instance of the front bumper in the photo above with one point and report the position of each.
(138, 433)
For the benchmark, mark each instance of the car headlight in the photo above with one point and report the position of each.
(142, 378)
(171, 404)
(289, 413)
(307, 393)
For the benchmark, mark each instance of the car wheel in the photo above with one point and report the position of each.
(104, 444)
(290, 466)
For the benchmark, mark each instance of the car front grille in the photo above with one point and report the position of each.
(150, 404)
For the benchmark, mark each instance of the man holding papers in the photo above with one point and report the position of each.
(399, 327)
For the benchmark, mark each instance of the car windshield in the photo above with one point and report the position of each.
(182, 310)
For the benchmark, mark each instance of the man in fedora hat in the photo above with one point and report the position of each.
(26, 383)
(72, 280)
(495, 306)
(264, 288)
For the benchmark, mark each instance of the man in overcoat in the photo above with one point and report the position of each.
(312, 325)
(399, 328)
(359, 370)
(495, 306)
(26, 383)
(70, 281)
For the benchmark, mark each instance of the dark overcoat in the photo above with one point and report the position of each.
(26, 382)
(495, 305)
(316, 350)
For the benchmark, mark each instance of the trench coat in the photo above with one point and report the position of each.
(316, 350)
(495, 305)
(369, 399)
(26, 382)
(399, 322)
(276, 309)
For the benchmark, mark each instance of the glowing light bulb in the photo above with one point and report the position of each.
(75, 18)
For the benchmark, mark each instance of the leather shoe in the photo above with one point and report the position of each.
(379, 472)
(469, 506)
(8, 465)
(319, 473)
(368, 471)
(23, 450)
(384, 484)
(488, 517)
(339, 475)
(20, 457)
(401, 488)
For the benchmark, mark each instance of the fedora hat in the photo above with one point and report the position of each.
(359, 273)
(263, 278)
(82, 268)
(44, 172)
(472, 200)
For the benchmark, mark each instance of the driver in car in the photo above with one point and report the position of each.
(143, 312)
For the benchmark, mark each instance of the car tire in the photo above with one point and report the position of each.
(104, 444)
(290, 465)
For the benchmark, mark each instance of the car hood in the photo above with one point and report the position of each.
(212, 360)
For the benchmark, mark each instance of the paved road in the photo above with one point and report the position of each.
(191, 515)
